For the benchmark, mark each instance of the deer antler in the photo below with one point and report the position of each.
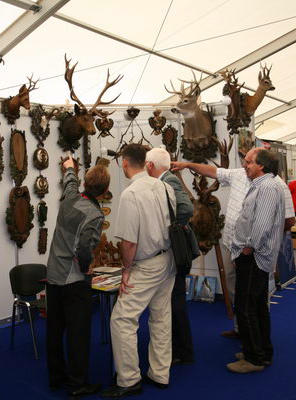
(107, 86)
(224, 151)
(68, 77)
(104, 114)
(174, 90)
(200, 185)
(54, 112)
(265, 70)
(32, 84)
(194, 85)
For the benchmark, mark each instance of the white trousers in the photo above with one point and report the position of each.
(153, 281)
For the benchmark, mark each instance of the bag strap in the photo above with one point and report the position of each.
(172, 214)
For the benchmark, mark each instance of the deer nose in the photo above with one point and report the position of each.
(272, 88)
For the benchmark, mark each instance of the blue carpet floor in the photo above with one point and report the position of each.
(22, 377)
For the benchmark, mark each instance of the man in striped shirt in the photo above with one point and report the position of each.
(239, 184)
(257, 237)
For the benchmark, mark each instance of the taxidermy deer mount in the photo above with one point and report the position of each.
(207, 221)
(11, 106)
(73, 127)
(199, 126)
(251, 103)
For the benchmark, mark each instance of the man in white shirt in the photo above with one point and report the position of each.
(148, 277)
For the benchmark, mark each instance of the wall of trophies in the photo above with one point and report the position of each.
(31, 177)
(34, 139)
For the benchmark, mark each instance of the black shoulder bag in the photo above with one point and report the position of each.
(179, 242)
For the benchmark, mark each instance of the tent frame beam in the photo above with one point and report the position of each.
(247, 61)
(27, 23)
(287, 138)
(275, 111)
(25, 4)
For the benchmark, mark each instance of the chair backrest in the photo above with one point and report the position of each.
(25, 279)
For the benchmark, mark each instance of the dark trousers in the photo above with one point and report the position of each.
(182, 346)
(251, 306)
(69, 309)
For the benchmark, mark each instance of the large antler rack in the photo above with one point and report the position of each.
(107, 86)
(32, 84)
(230, 78)
(68, 78)
(194, 87)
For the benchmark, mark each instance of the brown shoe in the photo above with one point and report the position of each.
(232, 334)
(244, 367)
(241, 356)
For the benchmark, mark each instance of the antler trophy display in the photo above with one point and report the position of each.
(199, 127)
(11, 106)
(73, 127)
(232, 89)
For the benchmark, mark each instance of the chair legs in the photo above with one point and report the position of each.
(32, 331)
(12, 332)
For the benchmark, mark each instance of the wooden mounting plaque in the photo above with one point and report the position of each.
(18, 156)
(19, 215)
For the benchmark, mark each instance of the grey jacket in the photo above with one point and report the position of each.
(184, 209)
(77, 233)
(184, 205)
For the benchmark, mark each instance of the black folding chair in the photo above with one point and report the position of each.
(27, 280)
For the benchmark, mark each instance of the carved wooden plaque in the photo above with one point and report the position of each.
(41, 186)
(42, 242)
(19, 215)
(18, 156)
(40, 158)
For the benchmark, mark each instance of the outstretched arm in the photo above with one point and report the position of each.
(70, 180)
(202, 169)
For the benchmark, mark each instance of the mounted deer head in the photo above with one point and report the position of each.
(251, 103)
(11, 106)
(206, 220)
(198, 128)
(82, 122)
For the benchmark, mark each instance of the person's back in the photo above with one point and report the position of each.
(69, 294)
(146, 194)
(75, 213)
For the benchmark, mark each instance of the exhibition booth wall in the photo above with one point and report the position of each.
(11, 255)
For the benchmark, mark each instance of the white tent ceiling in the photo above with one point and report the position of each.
(207, 35)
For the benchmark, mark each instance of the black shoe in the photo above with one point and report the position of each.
(232, 334)
(159, 385)
(57, 385)
(181, 361)
(116, 391)
(85, 390)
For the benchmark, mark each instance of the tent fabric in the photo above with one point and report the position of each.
(210, 35)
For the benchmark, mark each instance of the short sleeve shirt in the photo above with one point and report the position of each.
(239, 185)
(143, 215)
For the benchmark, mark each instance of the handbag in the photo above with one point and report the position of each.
(180, 243)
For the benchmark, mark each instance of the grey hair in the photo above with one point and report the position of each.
(160, 158)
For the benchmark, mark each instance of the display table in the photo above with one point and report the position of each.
(105, 285)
